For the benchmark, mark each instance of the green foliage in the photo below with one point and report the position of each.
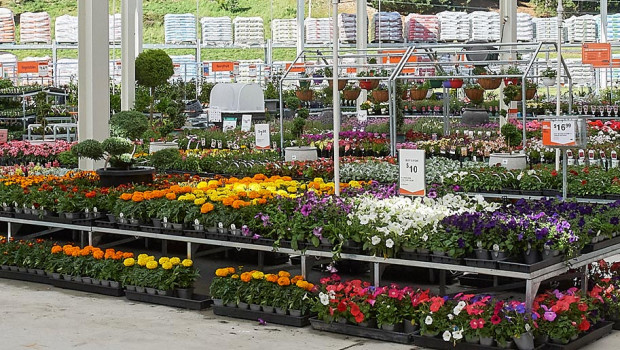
(129, 124)
(205, 92)
(153, 68)
(68, 159)
(298, 126)
(229, 5)
(292, 103)
(512, 134)
(116, 146)
(271, 91)
(88, 149)
(165, 159)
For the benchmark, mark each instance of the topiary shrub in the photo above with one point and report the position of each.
(88, 149)
(129, 124)
(512, 134)
(165, 159)
(153, 68)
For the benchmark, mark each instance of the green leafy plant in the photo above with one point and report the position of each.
(153, 69)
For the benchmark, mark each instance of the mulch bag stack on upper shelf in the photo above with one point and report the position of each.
(348, 27)
(318, 30)
(581, 29)
(180, 28)
(546, 29)
(8, 61)
(613, 26)
(582, 74)
(525, 27)
(249, 31)
(66, 29)
(7, 26)
(485, 26)
(66, 69)
(186, 69)
(421, 28)
(217, 31)
(386, 26)
(284, 31)
(115, 28)
(35, 28)
(453, 26)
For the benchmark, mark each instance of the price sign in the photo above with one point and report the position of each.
(412, 172)
(4, 135)
(559, 133)
(229, 124)
(362, 116)
(43, 69)
(215, 115)
(569, 156)
(261, 133)
(246, 122)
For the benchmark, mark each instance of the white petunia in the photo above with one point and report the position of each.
(389, 243)
(457, 335)
(451, 317)
(375, 240)
(324, 298)
(428, 320)
(447, 336)
(527, 327)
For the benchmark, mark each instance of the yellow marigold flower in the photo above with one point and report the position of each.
(142, 256)
(167, 265)
(199, 201)
(129, 262)
(257, 275)
(292, 189)
(150, 258)
(355, 184)
(301, 284)
(163, 260)
(175, 261)
(318, 180)
(151, 265)
(231, 270)
(202, 185)
(221, 272)
(142, 262)
(187, 263)
(235, 276)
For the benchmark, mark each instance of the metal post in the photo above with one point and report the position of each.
(377, 274)
(304, 268)
(336, 100)
(189, 250)
(300, 26)
(281, 121)
(564, 175)
(361, 40)
(558, 108)
(128, 54)
(603, 39)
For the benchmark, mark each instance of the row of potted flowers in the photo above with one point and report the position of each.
(281, 293)
(92, 265)
(556, 316)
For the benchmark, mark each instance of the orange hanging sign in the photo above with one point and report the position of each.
(222, 66)
(297, 68)
(597, 54)
(27, 67)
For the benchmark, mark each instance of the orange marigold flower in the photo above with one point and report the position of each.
(126, 196)
(297, 278)
(284, 281)
(270, 277)
(127, 255)
(171, 196)
(56, 249)
(231, 270)
(284, 274)
(207, 207)
(246, 276)
(98, 254)
(309, 286)
(227, 201)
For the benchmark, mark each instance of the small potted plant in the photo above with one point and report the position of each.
(549, 76)
(368, 84)
(474, 92)
(318, 76)
(530, 89)
(304, 93)
(512, 70)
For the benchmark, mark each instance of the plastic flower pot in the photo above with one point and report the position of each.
(130, 288)
(231, 304)
(472, 339)
(436, 83)
(55, 275)
(410, 327)
(87, 280)
(140, 289)
(388, 327)
(482, 254)
(447, 84)
(151, 291)
(549, 81)
(366, 84)
(294, 313)
(218, 302)
(504, 344)
(498, 255)
(525, 341)
(550, 253)
(456, 83)
(185, 293)
(531, 257)
(166, 293)
(486, 341)
(66, 277)
(281, 311)
(243, 306)
(254, 307)
(368, 323)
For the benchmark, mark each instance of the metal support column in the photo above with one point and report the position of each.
(336, 99)
(128, 53)
(301, 32)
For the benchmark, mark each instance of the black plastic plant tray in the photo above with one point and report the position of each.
(446, 260)
(616, 325)
(128, 227)
(513, 265)
(24, 276)
(531, 193)
(352, 250)
(599, 330)
(194, 233)
(287, 244)
(510, 191)
(172, 231)
(264, 241)
(106, 224)
(414, 256)
(438, 343)
(26, 216)
(6, 214)
(240, 239)
(358, 331)
(322, 247)
(489, 264)
(150, 229)
(198, 302)
(89, 288)
(216, 236)
(268, 317)
(590, 247)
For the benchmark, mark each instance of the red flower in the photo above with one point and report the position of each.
(584, 325)
(355, 310)
(583, 182)
(554, 173)
(342, 306)
(582, 307)
(481, 323)
(473, 324)
(495, 319)
(359, 318)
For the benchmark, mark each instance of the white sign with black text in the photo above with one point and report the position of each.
(412, 172)
(261, 132)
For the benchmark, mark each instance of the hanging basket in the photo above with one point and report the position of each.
(529, 95)
(490, 83)
(436, 83)
(380, 95)
(405, 95)
(456, 83)
(341, 83)
(474, 94)
(549, 81)
(418, 94)
(351, 95)
(366, 84)
(304, 95)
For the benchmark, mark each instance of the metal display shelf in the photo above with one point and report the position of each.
(532, 280)
(523, 196)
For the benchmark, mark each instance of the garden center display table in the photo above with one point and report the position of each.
(533, 279)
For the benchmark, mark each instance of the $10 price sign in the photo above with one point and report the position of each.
(559, 133)
(412, 172)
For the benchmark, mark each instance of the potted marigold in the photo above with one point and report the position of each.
(185, 276)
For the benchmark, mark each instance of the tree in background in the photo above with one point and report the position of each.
(153, 69)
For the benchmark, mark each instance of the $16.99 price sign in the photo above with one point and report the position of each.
(412, 172)
(559, 133)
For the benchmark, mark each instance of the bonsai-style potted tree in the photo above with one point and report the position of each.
(549, 76)
(118, 151)
(487, 83)
(153, 69)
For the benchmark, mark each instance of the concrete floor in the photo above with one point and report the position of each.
(35, 316)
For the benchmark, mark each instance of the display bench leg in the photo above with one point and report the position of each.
(531, 289)
(584, 279)
(189, 248)
(90, 238)
(164, 248)
(442, 282)
(376, 270)
(9, 230)
(304, 270)
(261, 260)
